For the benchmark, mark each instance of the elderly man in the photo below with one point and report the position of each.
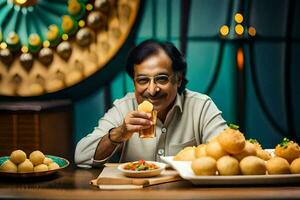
(184, 118)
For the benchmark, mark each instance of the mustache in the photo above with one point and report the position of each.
(156, 96)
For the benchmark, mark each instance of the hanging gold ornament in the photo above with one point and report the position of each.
(26, 60)
(96, 20)
(46, 56)
(85, 37)
(103, 6)
(64, 50)
(6, 57)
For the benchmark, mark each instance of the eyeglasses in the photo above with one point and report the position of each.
(161, 79)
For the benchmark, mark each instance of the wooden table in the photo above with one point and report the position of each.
(73, 183)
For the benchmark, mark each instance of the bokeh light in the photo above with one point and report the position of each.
(224, 30)
(238, 17)
(239, 29)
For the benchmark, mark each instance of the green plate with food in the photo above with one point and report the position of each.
(58, 163)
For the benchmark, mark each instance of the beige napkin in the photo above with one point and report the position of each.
(113, 179)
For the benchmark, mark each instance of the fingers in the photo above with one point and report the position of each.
(135, 121)
(139, 118)
(140, 114)
(139, 121)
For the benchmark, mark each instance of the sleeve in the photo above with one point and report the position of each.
(86, 147)
(212, 122)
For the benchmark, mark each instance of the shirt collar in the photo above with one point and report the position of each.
(178, 101)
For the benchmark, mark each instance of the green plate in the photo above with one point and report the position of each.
(62, 162)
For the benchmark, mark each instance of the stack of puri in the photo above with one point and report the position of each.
(231, 154)
(36, 162)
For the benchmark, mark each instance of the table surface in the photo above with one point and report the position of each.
(73, 183)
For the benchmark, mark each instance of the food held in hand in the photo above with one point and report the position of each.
(147, 107)
(140, 165)
(205, 166)
(232, 140)
(252, 165)
(186, 154)
(295, 166)
(36, 157)
(25, 166)
(287, 149)
(228, 165)
(18, 156)
(9, 166)
(278, 165)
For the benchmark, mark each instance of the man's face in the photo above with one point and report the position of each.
(155, 81)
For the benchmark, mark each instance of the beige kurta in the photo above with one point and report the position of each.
(193, 120)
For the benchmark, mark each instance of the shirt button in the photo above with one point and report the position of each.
(161, 152)
(164, 130)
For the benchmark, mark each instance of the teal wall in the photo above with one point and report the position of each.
(265, 102)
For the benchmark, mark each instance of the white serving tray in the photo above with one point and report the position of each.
(185, 171)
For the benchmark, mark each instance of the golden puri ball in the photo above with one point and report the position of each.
(25, 167)
(186, 154)
(36, 157)
(18, 156)
(260, 152)
(228, 165)
(47, 161)
(8, 166)
(295, 166)
(215, 150)
(40, 168)
(249, 150)
(263, 154)
(278, 165)
(53, 166)
(206, 166)
(252, 165)
(200, 150)
(232, 140)
(289, 151)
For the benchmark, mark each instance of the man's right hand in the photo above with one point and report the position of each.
(133, 122)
